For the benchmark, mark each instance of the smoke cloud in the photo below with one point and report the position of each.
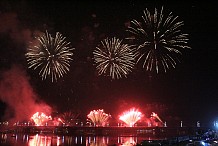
(17, 93)
(13, 27)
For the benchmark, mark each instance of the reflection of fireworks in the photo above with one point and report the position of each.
(51, 56)
(40, 118)
(159, 40)
(40, 140)
(131, 117)
(114, 58)
(98, 117)
(129, 141)
(97, 141)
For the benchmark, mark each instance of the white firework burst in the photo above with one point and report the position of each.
(114, 58)
(51, 56)
(158, 40)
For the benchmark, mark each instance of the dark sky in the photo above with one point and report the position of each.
(189, 91)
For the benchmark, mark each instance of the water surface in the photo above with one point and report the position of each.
(58, 140)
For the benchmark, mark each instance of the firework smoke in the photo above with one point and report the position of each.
(13, 28)
(17, 93)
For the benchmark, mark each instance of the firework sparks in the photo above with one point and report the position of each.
(159, 40)
(156, 116)
(131, 117)
(68, 118)
(155, 120)
(51, 56)
(98, 117)
(40, 118)
(114, 58)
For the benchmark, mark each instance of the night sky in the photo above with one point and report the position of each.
(188, 92)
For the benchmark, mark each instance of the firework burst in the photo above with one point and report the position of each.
(40, 118)
(69, 118)
(98, 117)
(131, 117)
(158, 40)
(114, 58)
(51, 56)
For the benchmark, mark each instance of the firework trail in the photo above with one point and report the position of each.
(131, 117)
(154, 115)
(114, 58)
(51, 56)
(158, 40)
(98, 117)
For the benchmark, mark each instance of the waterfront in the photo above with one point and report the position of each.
(91, 136)
(64, 140)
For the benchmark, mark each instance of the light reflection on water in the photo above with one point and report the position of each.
(54, 140)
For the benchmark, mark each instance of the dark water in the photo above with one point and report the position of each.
(54, 140)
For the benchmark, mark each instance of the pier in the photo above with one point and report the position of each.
(104, 131)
